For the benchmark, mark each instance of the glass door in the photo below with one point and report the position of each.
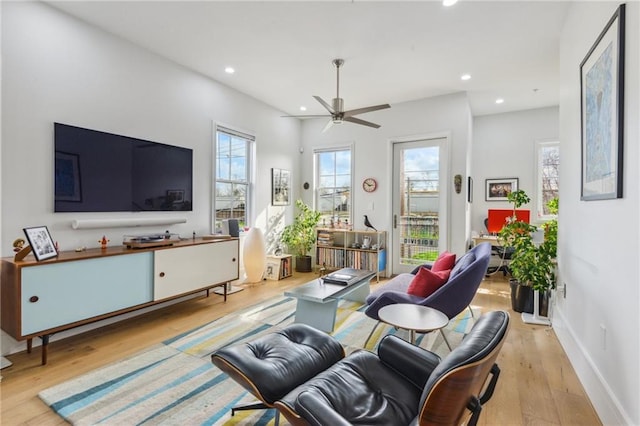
(419, 204)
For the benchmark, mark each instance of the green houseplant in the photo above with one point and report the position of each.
(532, 265)
(300, 236)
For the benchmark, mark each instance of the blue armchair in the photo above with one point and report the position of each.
(451, 299)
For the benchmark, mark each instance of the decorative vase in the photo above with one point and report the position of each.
(254, 254)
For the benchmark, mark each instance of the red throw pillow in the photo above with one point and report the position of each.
(445, 261)
(426, 282)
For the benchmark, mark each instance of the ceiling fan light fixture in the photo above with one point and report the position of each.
(336, 110)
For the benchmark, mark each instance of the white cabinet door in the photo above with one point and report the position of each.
(185, 269)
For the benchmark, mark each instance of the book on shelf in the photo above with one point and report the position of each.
(286, 267)
(325, 239)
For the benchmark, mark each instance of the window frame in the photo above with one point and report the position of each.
(539, 146)
(249, 167)
(316, 176)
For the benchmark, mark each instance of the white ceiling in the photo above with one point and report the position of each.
(393, 51)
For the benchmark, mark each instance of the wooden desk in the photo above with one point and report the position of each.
(491, 239)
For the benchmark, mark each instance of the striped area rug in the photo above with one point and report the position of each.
(175, 383)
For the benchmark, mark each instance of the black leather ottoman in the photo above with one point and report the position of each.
(274, 364)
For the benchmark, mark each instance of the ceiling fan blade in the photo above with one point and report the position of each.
(324, 104)
(353, 112)
(328, 126)
(306, 116)
(363, 122)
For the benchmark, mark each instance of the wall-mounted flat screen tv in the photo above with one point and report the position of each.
(101, 172)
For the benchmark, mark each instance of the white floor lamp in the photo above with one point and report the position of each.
(254, 255)
(535, 318)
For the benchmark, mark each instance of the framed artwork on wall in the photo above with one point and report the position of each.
(280, 187)
(601, 109)
(41, 242)
(68, 185)
(498, 189)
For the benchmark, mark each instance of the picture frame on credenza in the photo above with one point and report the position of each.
(41, 243)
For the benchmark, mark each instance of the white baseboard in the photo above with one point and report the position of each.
(595, 385)
(4, 362)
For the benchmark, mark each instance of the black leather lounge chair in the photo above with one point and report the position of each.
(401, 385)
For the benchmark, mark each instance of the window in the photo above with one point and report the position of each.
(333, 185)
(548, 156)
(232, 176)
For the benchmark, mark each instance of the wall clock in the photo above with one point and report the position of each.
(369, 184)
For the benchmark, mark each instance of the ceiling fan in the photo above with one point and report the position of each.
(336, 109)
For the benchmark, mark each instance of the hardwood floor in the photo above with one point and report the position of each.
(537, 385)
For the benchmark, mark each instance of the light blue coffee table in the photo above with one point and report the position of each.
(318, 301)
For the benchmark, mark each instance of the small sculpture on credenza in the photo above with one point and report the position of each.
(18, 244)
(103, 242)
(20, 249)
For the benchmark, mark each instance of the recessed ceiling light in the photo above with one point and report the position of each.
(465, 77)
(449, 2)
(499, 100)
(303, 108)
(229, 70)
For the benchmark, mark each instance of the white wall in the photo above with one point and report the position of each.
(57, 68)
(443, 115)
(504, 146)
(598, 240)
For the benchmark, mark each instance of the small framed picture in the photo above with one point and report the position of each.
(41, 243)
(499, 189)
(280, 187)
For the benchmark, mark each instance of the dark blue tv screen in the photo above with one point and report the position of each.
(102, 172)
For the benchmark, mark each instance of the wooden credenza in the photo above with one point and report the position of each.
(77, 288)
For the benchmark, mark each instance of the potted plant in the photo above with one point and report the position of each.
(300, 236)
(532, 265)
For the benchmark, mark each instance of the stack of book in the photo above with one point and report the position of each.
(325, 238)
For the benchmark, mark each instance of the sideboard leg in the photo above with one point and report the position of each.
(29, 345)
(45, 346)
